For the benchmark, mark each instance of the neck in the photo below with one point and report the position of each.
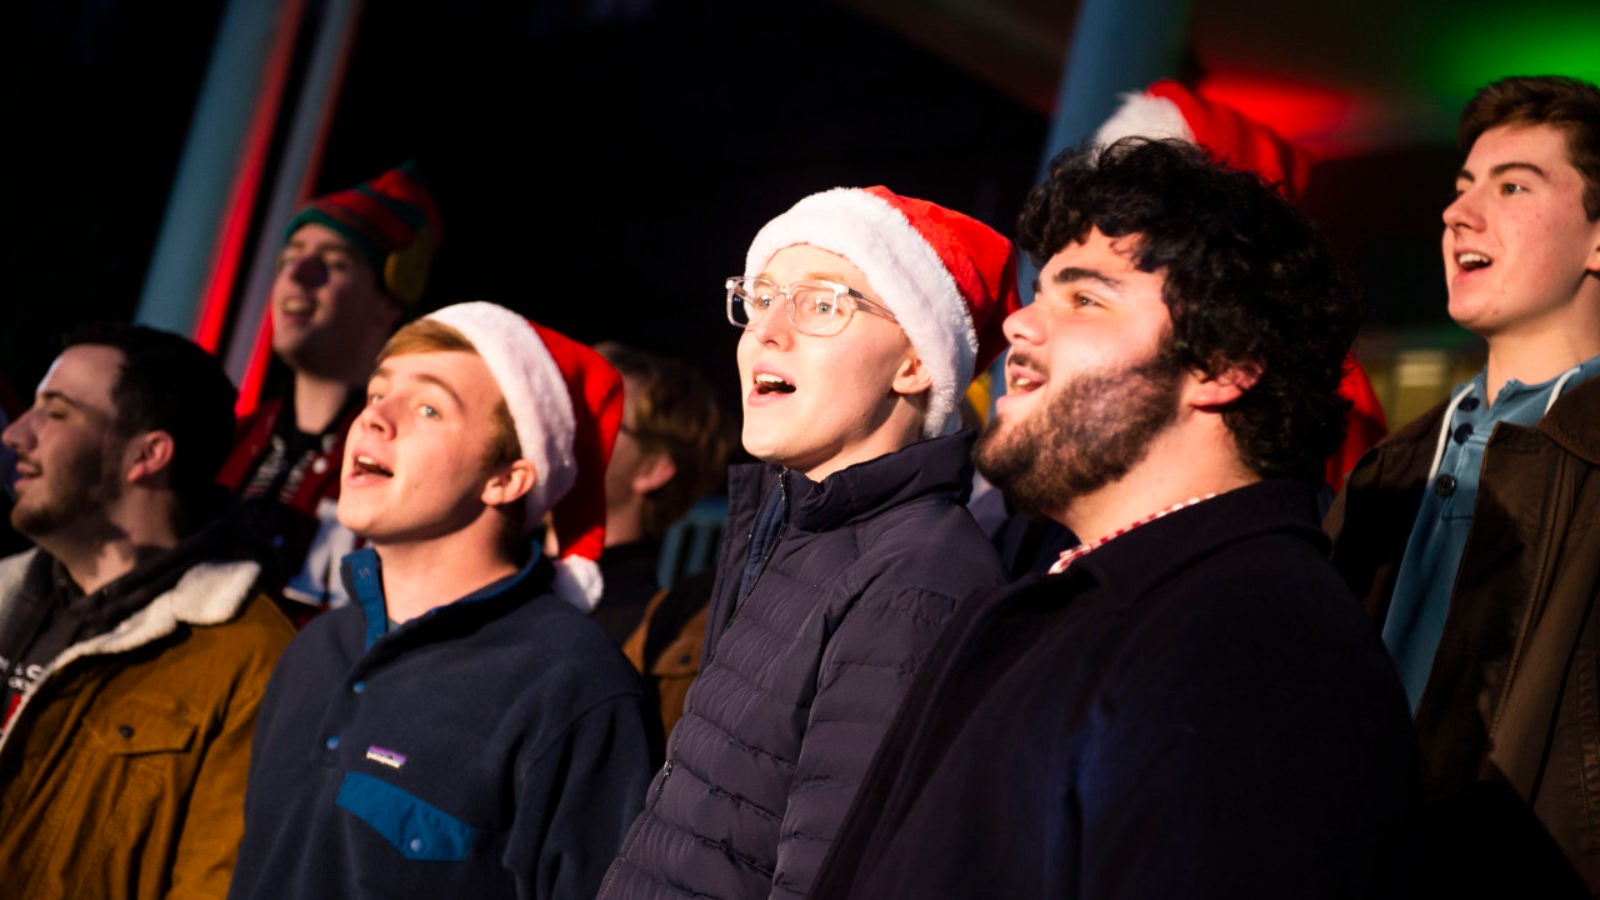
(1174, 470)
(317, 401)
(1534, 359)
(97, 554)
(423, 575)
(623, 526)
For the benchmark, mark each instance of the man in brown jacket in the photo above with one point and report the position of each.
(1471, 533)
(134, 643)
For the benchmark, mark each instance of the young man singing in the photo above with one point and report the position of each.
(463, 728)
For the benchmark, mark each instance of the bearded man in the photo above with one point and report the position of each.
(1191, 704)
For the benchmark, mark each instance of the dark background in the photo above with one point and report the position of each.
(600, 166)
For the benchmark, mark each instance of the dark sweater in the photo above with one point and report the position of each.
(1197, 708)
(497, 746)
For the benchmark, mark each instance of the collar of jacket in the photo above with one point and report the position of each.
(208, 593)
(939, 466)
(1133, 564)
(363, 578)
(1570, 422)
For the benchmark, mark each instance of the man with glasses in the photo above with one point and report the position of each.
(864, 316)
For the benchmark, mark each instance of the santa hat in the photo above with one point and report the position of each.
(390, 220)
(949, 279)
(565, 401)
(1167, 109)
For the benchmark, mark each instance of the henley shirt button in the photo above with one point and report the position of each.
(359, 687)
(1463, 431)
(125, 731)
(319, 466)
(1468, 404)
(416, 845)
(332, 742)
(1444, 485)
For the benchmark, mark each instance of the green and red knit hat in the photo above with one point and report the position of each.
(391, 220)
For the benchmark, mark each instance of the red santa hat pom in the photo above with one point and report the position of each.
(949, 279)
(1167, 109)
(565, 401)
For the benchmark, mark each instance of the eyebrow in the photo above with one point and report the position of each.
(46, 396)
(1070, 274)
(425, 378)
(1503, 168)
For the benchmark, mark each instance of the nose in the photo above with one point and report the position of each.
(774, 327)
(1022, 326)
(377, 416)
(308, 270)
(19, 434)
(1463, 212)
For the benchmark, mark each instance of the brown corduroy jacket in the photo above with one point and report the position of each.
(123, 772)
(1509, 722)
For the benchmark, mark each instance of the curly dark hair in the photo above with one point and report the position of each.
(1568, 104)
(1248, 281)
(168, 383)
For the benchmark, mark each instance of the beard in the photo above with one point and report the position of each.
(1095, 428)
(68, 497)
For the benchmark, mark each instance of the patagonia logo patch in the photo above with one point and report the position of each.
(386, 757)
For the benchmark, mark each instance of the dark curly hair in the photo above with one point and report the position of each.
(1248, 281)
(1567, 104)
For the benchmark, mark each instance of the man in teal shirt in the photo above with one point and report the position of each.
(1471, 533)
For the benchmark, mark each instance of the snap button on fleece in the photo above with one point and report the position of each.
(1469, 404)
(1463, 431)
(1444, 485)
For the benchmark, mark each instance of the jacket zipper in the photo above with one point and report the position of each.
(772, 546)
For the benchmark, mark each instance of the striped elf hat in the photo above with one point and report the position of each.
(390, 220)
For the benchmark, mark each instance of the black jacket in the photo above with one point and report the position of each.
(1198, 708)
(846, 586)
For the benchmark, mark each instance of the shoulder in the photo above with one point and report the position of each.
(563, 651)
(930, 541)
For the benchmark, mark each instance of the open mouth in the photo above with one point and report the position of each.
(1022, 376)
(1472, 261)
(367, 465)
(767, 383)
(296, 306)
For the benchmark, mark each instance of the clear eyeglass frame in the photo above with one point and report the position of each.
(815, 307)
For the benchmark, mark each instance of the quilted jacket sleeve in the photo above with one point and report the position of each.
(867, 667)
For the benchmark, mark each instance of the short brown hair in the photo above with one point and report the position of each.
(676, 413)
(1568, 104)
(429, 336)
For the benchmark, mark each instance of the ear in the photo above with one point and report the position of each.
(147, 455)
(1212, 392)
(913, 376)
(510, 483)
(653, 471)
(1592, 264)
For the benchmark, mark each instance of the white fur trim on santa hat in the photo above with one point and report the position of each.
(578, 581)
(1147, 116)
(904, 271)
(534, 390)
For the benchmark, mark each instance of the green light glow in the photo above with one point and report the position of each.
(1488, 41)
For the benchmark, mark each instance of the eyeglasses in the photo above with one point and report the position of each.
(820, 308)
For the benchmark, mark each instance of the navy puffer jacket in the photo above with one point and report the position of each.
(828, 597)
